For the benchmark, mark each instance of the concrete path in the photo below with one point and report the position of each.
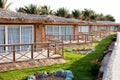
(112, 71)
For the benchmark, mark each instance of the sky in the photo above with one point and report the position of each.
(99, 6)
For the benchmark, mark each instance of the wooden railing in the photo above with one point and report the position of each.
(79, 38)
(23, 52)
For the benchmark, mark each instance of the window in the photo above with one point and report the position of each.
(112, 28)
(63, 32)
(69, 31)
(15, 34)
(83, 29)
(94, 28)
(49, 30)
(57, 31)
(103, 28)
(26, 36)
(2, 38)
(118, 27)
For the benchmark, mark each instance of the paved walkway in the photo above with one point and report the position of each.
(116, 65)
(112, 71)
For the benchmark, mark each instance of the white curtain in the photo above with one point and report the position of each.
(112, 28)
(83, 29)
(69, 31)
(56, 32)
(95, 28)
(79, 28)
(86, 28)
(103, 28)
(63, 32)
(26, 36)
(14, 37)
(2, 38)
(48, 30)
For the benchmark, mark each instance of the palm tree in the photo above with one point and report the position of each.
(62, 12)
(109, 17)
(76, 14)
(46, 10)
(4, 5)
(69, 16)
(30, 9)
(100, 17)
(88, 15)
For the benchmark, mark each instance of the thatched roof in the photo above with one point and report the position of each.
(6, 14)
(52, 18)
(104, 23)
(10, 15)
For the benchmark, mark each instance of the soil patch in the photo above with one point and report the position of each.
(30, 64)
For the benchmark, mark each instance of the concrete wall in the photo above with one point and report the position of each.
(112, 70)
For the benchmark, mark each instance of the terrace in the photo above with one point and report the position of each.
(25, 52)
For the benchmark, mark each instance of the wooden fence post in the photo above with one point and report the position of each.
(13, 53)
(77, 38)
(48, 48)
(62, 37)
(70, 38)
(85, 38)
(100, 34)
(32, 51)
(62, 50)
(55, 48)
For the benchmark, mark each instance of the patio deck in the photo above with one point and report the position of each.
(41, 52)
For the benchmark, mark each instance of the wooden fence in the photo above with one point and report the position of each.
(23, 52)
(91, 37)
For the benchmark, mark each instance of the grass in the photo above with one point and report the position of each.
(79, 64)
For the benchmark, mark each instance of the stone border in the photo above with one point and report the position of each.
(67, 74)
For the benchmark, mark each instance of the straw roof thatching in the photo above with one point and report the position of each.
(5, 14)
(52, 18)
(10, 15)
(104, 23)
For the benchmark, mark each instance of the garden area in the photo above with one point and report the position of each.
(83, 66)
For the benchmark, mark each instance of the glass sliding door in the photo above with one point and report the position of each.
(60, 32)
(56, 32)
(49, 30)
(13, 37)
(94, 28)
(87, 29)
(103, 28)
(69, 32)
(15, 34)
(26, 37)
(2, 38)
(84, 29)
(112, 28)
(63, 32)
(79, 28)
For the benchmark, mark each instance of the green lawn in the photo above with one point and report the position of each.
(81, 65)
